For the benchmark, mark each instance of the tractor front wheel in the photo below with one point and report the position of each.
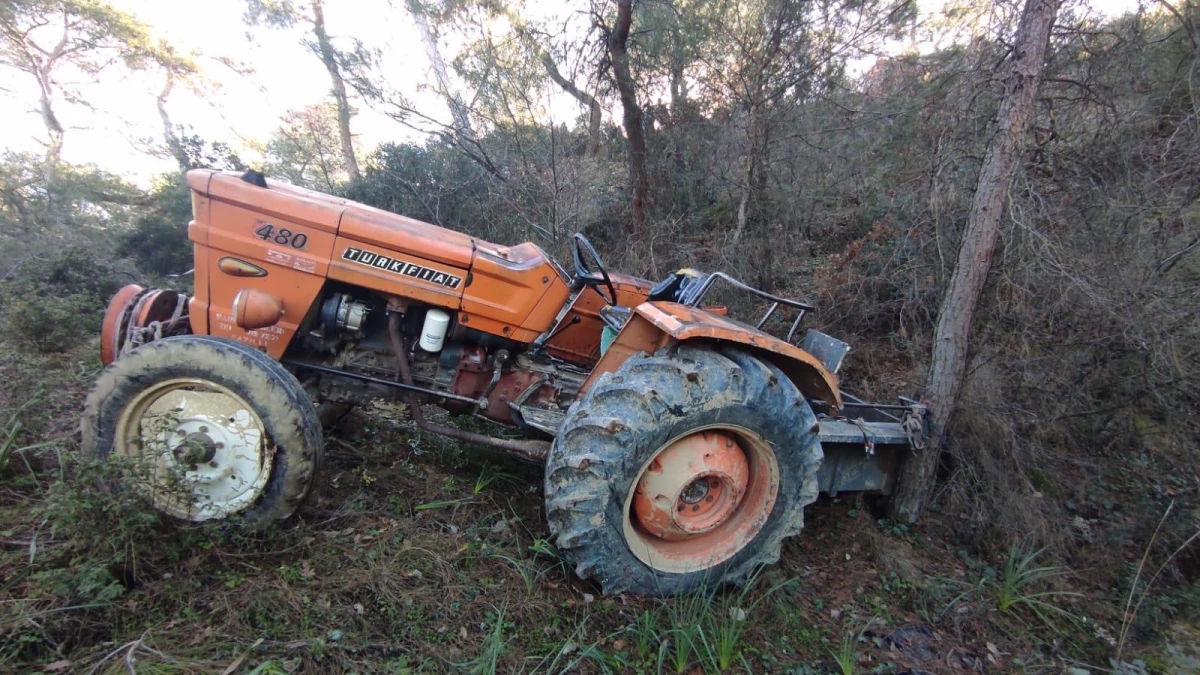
(683, 469)
(207, 428)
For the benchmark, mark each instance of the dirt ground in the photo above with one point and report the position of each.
(419, 555)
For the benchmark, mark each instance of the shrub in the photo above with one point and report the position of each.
(158, 242)
(54, 303)
(52, 324)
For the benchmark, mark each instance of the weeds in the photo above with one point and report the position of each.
(10, 432)
(846, 656)
(487, 662)
(645, 633)
(726, 624)
(438, 504)
(528, 573)
(1131, 609)
(686, 617)
(8, 439)
(1016, 587)
(487, 476)
(702, 628)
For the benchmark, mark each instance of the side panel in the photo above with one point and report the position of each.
(506, 285)
(639, 335)
(277, 201)
(407, 236)
(293, 254)
(381, 269)
(198, 234)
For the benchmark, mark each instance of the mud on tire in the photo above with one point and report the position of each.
(611, 434)
(292, 437)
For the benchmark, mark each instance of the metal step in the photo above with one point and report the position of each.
(542, 419)
(845, 431)
(842, 432)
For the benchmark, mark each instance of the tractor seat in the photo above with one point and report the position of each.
(678, 287)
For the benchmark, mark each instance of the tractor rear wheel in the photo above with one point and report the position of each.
(210, 429)
(682, 470)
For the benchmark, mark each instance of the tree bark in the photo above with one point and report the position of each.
(584, 98)
(752, 179)
(329, 58)
(635, 135)
(174, 145)
(951, 340)
(458, 109)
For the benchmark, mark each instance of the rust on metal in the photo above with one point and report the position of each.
(534, 451)
(701, 499)
(692, 486)
(682, 323)
(115, 318)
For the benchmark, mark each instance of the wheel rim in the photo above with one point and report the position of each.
(201, 448)
(701, 498)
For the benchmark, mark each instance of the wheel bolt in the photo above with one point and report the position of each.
(204, 430)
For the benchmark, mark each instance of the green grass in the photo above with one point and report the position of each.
(721, 639)
(846, 655)
(438, 504)
(86, 572)
(645, 633)
(1021, 586)
(487, 662)
(528, 573)
(685, 618)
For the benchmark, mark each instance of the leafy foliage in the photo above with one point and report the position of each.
(54, 303)
(158, 240)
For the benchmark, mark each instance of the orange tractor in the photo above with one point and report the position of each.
(680, 445)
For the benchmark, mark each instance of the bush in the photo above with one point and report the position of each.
(57, 302)
(158, 242)
(52, 324)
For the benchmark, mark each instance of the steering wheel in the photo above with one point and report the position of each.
(585, 275)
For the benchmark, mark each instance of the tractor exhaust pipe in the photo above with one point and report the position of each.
(529, 450)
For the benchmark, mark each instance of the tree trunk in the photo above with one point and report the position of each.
(750, 177)
(950, 347)
(172, 139)
(458, 109)
(584, 98)
(329, 58)
(54, 129)
(632, 113)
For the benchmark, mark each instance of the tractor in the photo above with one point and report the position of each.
(680, 445)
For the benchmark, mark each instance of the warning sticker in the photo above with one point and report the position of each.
(279, 257)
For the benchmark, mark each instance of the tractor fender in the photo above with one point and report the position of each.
(683, 323)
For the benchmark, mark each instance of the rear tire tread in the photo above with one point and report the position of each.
(592, 452)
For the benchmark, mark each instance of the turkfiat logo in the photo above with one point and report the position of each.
(397, 266)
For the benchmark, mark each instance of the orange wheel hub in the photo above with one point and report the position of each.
(692, 486)
(701, 498)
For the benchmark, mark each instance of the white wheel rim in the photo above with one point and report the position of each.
(203, 451)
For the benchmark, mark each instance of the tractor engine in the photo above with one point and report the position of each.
(348, 348)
